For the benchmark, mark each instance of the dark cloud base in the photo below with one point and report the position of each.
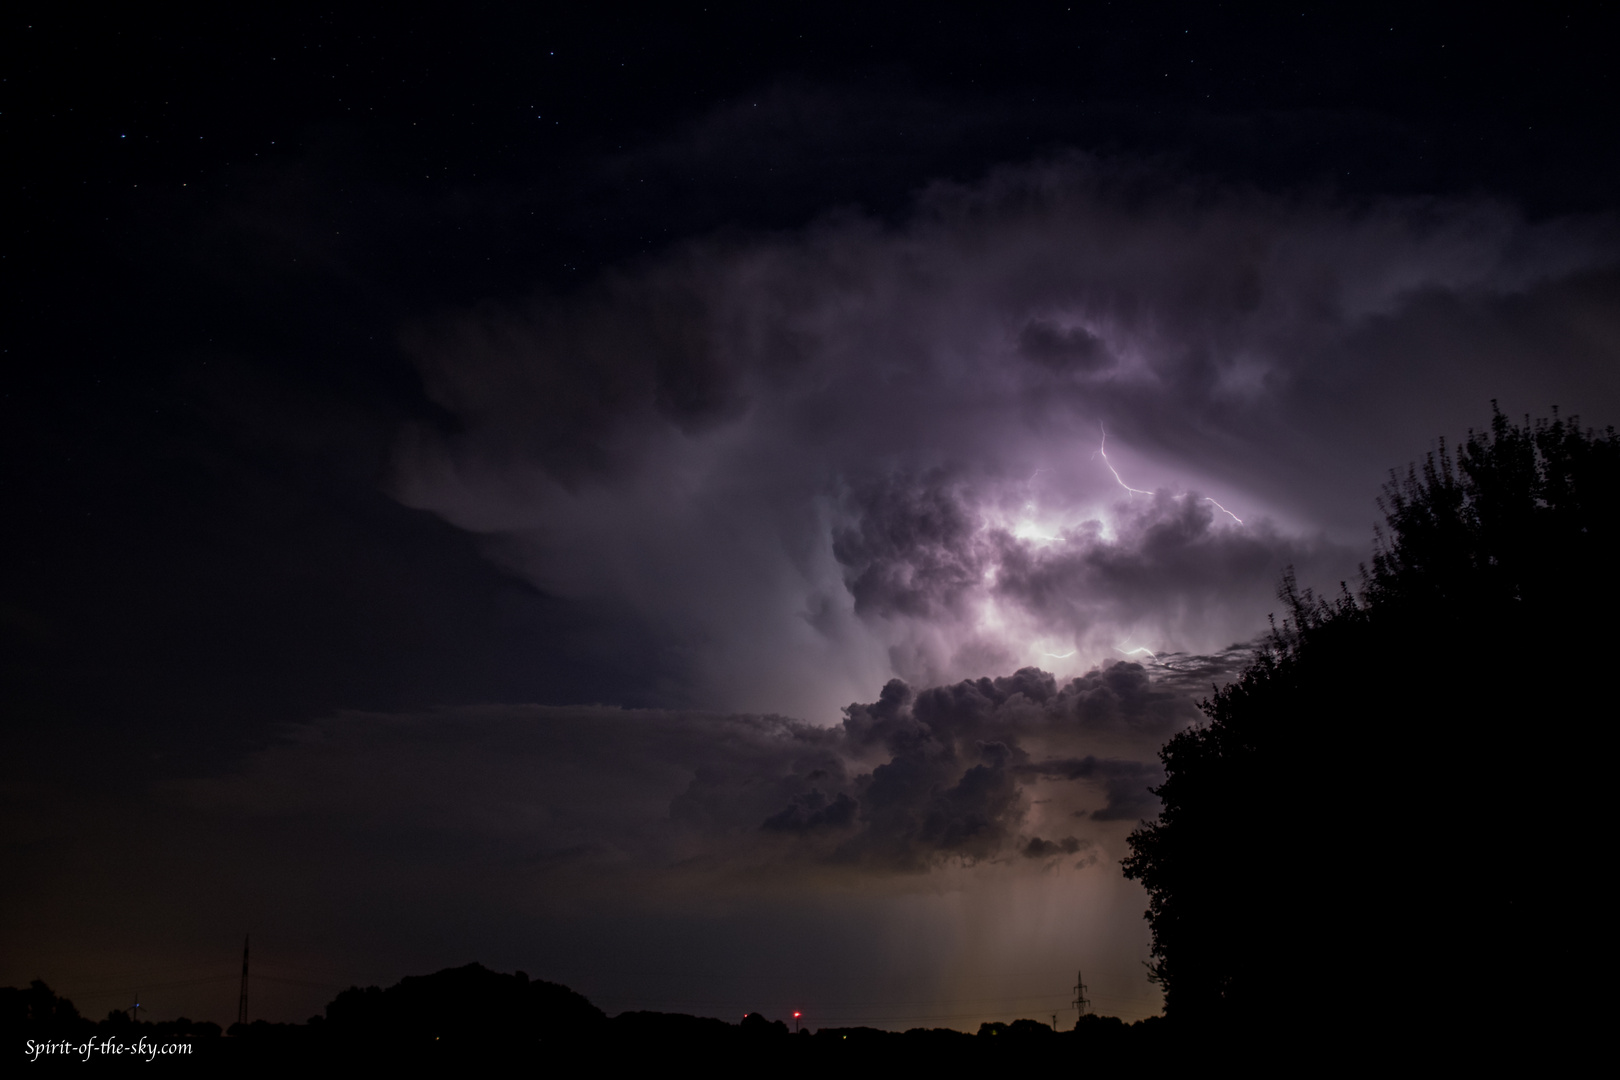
(908, 782)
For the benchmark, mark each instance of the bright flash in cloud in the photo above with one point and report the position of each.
(1030, 531)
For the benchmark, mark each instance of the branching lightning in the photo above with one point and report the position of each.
(1103, 450)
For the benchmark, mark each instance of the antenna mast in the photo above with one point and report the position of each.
(241, 1008)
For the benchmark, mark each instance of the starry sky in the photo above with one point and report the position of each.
(717, 508)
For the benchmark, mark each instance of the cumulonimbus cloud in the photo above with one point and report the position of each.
(804, 463)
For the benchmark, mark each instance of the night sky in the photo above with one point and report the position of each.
(719, 509)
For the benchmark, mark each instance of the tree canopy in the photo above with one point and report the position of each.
(1396, 811)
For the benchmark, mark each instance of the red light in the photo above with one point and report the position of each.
(795, 1016)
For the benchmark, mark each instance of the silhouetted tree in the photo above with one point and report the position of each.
(1393, 820)
(463, 1011)
(38, 1013)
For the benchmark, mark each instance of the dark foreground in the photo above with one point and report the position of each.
(474, 1016)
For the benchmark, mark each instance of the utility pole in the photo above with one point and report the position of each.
(1081, 1005)
(241, 1008)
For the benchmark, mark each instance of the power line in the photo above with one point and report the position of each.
(119, 991)
(852, 1005)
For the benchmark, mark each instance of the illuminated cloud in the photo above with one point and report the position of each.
(802, 464)
(964, 774)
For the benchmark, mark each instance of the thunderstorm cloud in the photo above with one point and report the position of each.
(802, 464)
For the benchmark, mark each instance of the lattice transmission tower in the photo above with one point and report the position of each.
(241, 1005)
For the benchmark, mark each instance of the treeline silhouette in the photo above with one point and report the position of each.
(474, 1016)
(1391, 830)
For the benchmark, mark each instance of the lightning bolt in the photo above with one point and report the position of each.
(1103, 450)
(1133, 652)
(1059, 655)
